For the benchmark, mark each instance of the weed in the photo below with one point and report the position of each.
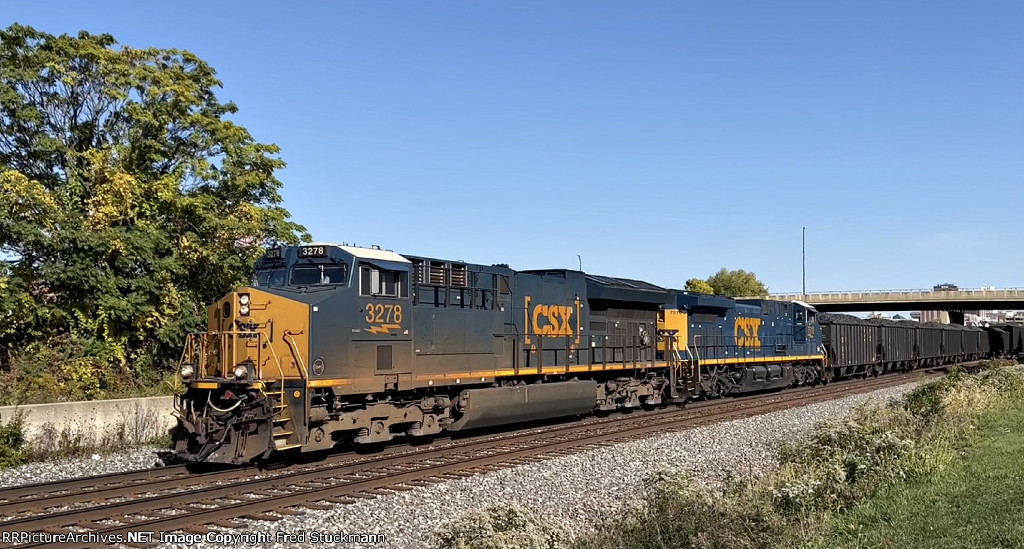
(501, 527)
(679, 515)
(136, 428)
(12, 442)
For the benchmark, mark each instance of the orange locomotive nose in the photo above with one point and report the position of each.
(255, 343)
(246, 338)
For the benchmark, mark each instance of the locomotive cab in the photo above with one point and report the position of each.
(251, 377)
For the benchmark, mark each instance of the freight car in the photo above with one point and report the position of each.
(336, 344)
(1006, 340)
(857, 346)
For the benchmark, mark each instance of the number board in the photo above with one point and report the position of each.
(312, 251)
(273, 253)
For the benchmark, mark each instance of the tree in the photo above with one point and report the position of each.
(699, 286)
(128, 198)
(736, 283)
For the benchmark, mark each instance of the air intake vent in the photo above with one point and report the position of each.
(459, 275)
(437, 273)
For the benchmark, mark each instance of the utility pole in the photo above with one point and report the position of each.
(804, 262)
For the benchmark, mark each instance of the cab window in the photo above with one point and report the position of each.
(376, 281)
(269, 277)
(309, 275)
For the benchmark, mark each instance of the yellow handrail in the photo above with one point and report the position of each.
(277, 361)
(262, 340)
(295, 351)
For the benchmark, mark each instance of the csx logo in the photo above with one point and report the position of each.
(552, 320)
(746, 332)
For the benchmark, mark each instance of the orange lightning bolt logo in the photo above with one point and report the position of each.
(383, 328)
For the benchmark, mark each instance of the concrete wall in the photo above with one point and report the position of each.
(94, 422)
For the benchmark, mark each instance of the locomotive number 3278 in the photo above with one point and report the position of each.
(383, 313)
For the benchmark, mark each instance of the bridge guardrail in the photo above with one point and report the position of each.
(921, 294)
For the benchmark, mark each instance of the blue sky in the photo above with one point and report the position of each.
(658, 140)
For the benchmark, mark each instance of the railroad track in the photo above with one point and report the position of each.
(109, 508)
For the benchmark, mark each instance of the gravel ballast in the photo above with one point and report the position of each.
(69, 468)
(575, 491)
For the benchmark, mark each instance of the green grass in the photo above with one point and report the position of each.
(977, 502)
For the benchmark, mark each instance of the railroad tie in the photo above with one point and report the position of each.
(424, 482)
(228, 523)
(340, 501)
(308, 485)
(262, 516)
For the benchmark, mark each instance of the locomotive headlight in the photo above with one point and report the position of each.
(243, 299)
(243, 310)
(240, 372)
(243, 304)
(187, 370)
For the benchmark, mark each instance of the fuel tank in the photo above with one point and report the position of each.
(519, 403)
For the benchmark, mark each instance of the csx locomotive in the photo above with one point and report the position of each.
(336, 344)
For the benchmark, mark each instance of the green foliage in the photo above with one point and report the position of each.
(736, 283)
(846, 461)
(64, 368)
(926, 400)
(699, 286)
(12, 443)
(680, 515)
(501, 527)
(128, 201)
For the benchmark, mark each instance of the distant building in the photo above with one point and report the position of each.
(972, 318)
(942, 317)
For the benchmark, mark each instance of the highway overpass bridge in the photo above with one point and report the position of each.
(954, 301)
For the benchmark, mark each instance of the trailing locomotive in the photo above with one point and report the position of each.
(335, 344)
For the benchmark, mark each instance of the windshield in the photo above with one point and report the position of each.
(269, 277)
(306, 275)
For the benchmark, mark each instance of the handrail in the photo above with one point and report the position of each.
(277, 361)
(200, 351)
(295, 351)
(767, 348)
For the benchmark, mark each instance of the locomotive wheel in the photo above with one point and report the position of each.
(715, 384)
